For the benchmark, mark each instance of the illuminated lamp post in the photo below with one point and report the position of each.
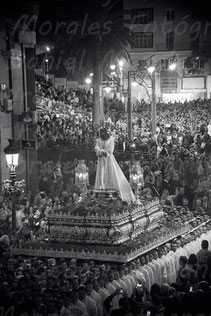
(121, 64)
(12, 156)
(152, 71)
(107, 88)
(88, 80)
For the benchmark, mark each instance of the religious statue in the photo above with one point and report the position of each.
(109, 175)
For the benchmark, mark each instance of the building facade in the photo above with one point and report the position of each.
(17, 94)
(165, 32)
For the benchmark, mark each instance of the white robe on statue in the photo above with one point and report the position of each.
(109, 175)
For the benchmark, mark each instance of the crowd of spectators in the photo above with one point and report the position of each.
(65, 119)
(49, 96)
(176, 161)
(174, 279)
(170, 279)
(177, 178)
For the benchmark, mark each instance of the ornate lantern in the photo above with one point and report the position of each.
(136, 177)
(12, 157)
(82, 176)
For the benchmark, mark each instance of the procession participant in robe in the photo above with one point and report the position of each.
(175, 255)
(180, 251)
(149, 269)
(122, 284)
(102, 290)
(140, 279)
(91, 293)
(152, 264)
(115, 281)
(117, 285)
(167, 262)
(190, 246)
(131, 276)
(126, 278)
(109, 286)
(154, 261)
(173, 265)
(162, 274)
(145, 273)
(126, 281)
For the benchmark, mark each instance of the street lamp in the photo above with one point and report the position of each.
(172, 63)
(134, 83)
(46, 67)
(121, 63)
(107, 89)
(173, 66)
(152, 71)
(112, 67)
(88, 80)
(12, 156)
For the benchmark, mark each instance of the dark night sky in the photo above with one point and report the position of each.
(64, 9)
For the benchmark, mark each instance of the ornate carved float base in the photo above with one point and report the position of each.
(103, 219)
(103, 228)
(117, 253)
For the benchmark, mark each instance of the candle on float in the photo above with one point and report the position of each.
(80, 176)
(84, 177)
(123, 145)
(135, 178)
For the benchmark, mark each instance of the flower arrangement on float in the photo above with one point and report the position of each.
(97, 207)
